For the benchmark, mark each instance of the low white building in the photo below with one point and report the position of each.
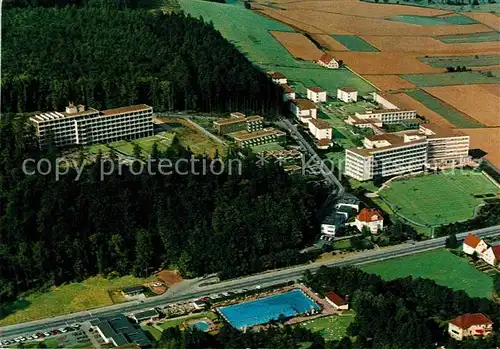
(347, 94)
(492, 255)
(326, 60)
(288, 93)
(470, 325)
(370, 218)
(474, 245)
(303, 109)
(336, 301)
(277, 78)
(348, 200)
(316, 94)
(320, 129)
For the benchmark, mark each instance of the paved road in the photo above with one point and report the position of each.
(193, 289)
(325, 171)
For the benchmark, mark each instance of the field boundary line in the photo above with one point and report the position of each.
(370, 83)
(491, 179)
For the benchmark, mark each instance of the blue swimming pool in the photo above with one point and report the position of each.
(200, 325)
(263, 310)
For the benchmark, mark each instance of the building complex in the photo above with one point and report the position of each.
(80, 125)
(238, 122)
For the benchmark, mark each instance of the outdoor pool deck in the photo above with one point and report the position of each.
(263, 310)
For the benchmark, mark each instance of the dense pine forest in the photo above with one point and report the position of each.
(57, 231)
(102, 54)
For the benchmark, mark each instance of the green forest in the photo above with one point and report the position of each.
(102, 54)
(57, 231)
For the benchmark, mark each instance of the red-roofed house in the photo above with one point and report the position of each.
(470, 325)
(474, 244)
(277, 77)
(316, 94)
(371, 218)
(492, 255)
(336, 301)
(326, 60)
(288, 93)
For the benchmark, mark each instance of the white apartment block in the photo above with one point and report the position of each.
(388, 155)
(320, 129)
(387, 116)
(445, 147)
(347, 95)
(316, 94)
(78, 125)
(303, 109)
(288, 93)
(383, 99)
(277, 78)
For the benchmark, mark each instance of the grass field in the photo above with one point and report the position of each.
(421, 198)
(445, 79)
(153, 332)
(355, 43)
(469, 38)
(331, 327)
(247, 30)
(455, 117)
(442, 266)
(68, 298)
(198, 143)
(468, 61)
(266, 147)
(433, 21)
(484, 6)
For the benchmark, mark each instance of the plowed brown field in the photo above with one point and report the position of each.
(486, 139)
(298, 45)
(490, 19)
(388, 82)
(473, 100)
(329, 43)
(379, 63)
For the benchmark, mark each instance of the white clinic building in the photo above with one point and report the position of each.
(80, 125)
(347, 94)
(316, 94)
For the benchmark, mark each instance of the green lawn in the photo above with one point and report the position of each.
(246, 29)
(469, 38)
(441, 266)
(438, 199)
(468, 61)
(178, 321)
(355, 43)
(68, 298)
(153, 332)
(452, 115)
(198, 143)
(258, 149)
(447, 79)
(331, 327)
(434, 21)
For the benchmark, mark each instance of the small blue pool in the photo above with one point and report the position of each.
(263, 310)
(200, 325)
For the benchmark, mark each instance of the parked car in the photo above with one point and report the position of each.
(47, 334)
(63, 330)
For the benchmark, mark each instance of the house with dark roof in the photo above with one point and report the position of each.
(277, 77)
(349, 201)
(470, 325)
(370, 218)
(332, 223)
(119, 331)
(336, 301)
(132, 291)
(474, 245)
(303, 109)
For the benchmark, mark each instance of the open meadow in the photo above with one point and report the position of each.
(68, 298)
(331, 327)
(420, 198)
(442, 266)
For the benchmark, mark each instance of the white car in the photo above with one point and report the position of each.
(63, 330)
(47, 334)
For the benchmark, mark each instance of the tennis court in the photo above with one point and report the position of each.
(263, 310)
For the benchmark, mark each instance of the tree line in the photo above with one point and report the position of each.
(58, 231)
(102, 56)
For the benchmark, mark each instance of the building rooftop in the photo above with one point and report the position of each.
(276, 75)
(316, 89)
(146, 314)
(245, 135)
(323, 142)
(121, 331)
(369, 215)
(237, 114)
(287, 88)
(467, 320)
(436, 131)
(335, 219)
(128, 109)
(254, 118)
(336, 299)
(348, 199)
(89, 111)
(304, 103)
(348, 89)
(321, 124)
(133, 289)
(326, 58)
(472, 240)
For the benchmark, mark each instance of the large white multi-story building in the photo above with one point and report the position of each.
(316, 94)
(80, 125)
(408, 151)
(347, 94)
(303, 109)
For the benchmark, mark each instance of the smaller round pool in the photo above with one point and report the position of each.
(200, 325)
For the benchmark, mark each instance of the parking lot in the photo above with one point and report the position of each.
(65, 337)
